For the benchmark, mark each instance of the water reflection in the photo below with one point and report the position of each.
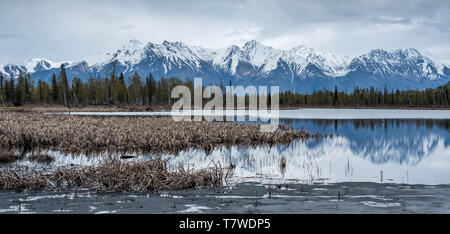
(380, 141)
(399, 151)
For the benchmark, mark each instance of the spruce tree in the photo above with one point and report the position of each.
(122, 90)
(149, 84)
(27, 87)
(55, 90)
(41, 91)
(335, 97)
(135, 89)
(64, 85)
(9, 90)
(19, 90)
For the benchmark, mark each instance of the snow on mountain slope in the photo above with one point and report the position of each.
(408, 63)
(227, 59)
(131, 53)
(204, 53)
(13, 70)
(38, 64)
(174, 52)
(42, 64)
(97, 59)
(261, 56)
(265, 59)
(32, 66)
(300, 57)
(2, 70)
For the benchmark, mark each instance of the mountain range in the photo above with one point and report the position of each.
(300, 69)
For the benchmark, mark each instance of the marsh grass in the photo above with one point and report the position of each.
(114, 176)
(155, 135)
(35, 132)
(8, 156)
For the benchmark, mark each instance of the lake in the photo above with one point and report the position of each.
(361, 145)
(382, 161)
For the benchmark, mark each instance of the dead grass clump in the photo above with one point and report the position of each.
(131, 134)
(114, 176)
(7, 156)
(21, 179)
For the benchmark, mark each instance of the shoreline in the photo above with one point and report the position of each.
(60, 108)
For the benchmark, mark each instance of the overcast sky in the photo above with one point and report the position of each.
(70, 30)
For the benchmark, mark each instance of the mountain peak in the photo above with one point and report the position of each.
(302, 49)
(409, 53)
(297, 47)
(233, 48)
(251, 44)
(165, 42)
(413, 50)
(34, 61)
(38, 64)
(377, 52)
(131, 47)
(408, 64)
(135, 42)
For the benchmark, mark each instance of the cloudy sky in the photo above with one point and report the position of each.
(70, 30)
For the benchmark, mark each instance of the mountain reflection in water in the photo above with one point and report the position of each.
(393, 151)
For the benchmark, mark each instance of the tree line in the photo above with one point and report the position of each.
(437, 98)
(113, 90)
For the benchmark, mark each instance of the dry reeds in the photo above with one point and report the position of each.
(113, 176)
(7, 156)
(94, 134)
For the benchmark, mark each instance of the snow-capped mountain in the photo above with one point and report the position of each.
(299, 69)
(398, 69)
(301, 56)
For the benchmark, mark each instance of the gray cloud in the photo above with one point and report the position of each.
(61, 30)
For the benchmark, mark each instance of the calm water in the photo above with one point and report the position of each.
(414, 151)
